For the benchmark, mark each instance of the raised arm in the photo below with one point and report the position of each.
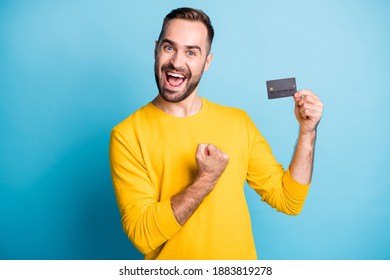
(308, 111)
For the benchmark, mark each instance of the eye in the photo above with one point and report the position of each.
(191, 53)
(168, 48)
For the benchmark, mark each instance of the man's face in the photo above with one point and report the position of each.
(181, 57)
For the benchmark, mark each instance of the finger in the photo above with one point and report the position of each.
(300, 95)
(202, 149)
(310, 106)
(310, 113)
(216, 153)
(307, 103)
(296, 97)
(303, 94)
(305, 113)
(310, 100)
(210, 149)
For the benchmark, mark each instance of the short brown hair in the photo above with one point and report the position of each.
(192, 15)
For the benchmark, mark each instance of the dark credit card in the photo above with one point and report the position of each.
(281, 88)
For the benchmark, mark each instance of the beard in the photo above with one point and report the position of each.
(172, 96)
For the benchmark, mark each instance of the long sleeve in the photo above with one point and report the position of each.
(147, 222)
(268, 178)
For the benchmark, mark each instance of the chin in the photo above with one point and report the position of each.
(174, 97)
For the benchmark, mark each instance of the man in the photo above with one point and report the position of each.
(179, 163)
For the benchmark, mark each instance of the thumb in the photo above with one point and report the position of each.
(202, 149)
(209, 149)
(298, 95)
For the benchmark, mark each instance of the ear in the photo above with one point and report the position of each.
(155, 49)
(208, 62)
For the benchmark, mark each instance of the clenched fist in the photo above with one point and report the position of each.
(211, 161)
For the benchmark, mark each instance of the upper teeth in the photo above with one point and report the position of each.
(176, 75)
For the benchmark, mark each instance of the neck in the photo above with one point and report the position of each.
(186, 108)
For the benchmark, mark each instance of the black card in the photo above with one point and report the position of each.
(281, 88)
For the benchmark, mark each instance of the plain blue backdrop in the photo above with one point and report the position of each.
(71, 70)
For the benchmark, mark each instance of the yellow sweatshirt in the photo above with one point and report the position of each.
(152, 157)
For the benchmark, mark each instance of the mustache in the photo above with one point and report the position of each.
(170, 67)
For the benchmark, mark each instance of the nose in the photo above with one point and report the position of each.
(178, 60)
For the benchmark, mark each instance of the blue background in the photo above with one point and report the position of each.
(71, 70)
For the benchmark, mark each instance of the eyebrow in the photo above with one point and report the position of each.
(189, 47)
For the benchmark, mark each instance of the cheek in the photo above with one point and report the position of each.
(162, 60)
(159, 58)
(198, 67)
(164, 56)
(157, 66)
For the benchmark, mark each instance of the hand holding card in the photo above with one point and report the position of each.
(308, 107)
(308, 110)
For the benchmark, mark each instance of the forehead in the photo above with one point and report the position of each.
(186, 32)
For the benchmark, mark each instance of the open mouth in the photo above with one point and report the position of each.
(175, 79)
